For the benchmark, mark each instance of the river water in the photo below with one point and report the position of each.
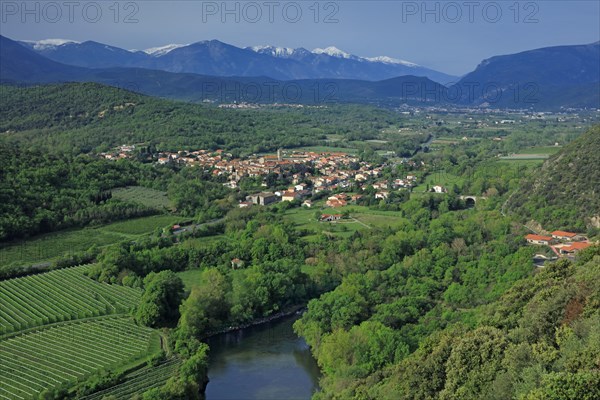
(263, 362)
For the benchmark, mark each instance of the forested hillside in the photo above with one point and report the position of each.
(84, 117)
(565, 192)
(540, 340)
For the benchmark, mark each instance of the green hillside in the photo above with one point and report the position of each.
(84, 117)
(565, 192)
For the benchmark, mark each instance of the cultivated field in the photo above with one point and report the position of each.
(60, 295)
(441, 178)
(361, 218)
(140, 226)
(50, 246)
(140, 381)
(148, 197)
(51, 356)
(330, 149)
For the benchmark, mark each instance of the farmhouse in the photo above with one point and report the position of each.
(175, 228)
(329, 218)
(562, 235)
(538, 239)
(262, 199)
(439, 189)
(290, 196)
(575, 247)
(335, 203)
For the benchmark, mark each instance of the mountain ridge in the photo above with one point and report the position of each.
(524, 86)
(200, 57)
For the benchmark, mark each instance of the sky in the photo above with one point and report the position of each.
(449, 36)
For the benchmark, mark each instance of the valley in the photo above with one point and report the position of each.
(222, 219)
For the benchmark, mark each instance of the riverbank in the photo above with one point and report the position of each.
(273, 317)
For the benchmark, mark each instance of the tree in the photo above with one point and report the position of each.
(159, 306)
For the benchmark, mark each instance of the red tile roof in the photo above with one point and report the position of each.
(538, 237)
(563, 234)
(576, 246)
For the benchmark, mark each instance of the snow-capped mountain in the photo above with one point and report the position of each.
(231, 67)
(40, 45)
(212, 57)
(390, 60)
(334, 52)
(283, 52)
(162, 50)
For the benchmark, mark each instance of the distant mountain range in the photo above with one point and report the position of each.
(548, 78)
(212, 57)
(551, 76)
(20, 64)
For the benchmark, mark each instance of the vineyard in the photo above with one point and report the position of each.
(146, 196)
(48, 357)
(57, 296)
(140, 381)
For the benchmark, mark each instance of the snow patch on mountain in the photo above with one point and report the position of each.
(162, 50)
(333, 52)
(48, 43)
(273, 50)
(390, 60)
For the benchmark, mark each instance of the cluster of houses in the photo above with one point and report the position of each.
(562, 243)
(124, 151)
(331, 171)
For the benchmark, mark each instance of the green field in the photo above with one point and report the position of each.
(148, 197)
(60, 295)
(542, 150)
(441, 178)
(140, 381)
(525, 156)
(361, 218)
(48, 357)
(140, 226)
(50, 246)
(190, 278)
(330, 149)
(522, 162)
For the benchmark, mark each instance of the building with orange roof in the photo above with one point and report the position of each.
(575, 247)
(538, 239)
(335, 203)
(562, 235)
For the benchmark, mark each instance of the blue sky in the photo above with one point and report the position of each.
(452, 37)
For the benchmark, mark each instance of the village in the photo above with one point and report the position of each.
(344, 177)
(561, 243)
(309, 172)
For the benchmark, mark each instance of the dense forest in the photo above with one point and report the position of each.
(565, 192)
(85, 117)
(42, 192)
(538, 341)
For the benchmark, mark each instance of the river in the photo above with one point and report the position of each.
(263, 362)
